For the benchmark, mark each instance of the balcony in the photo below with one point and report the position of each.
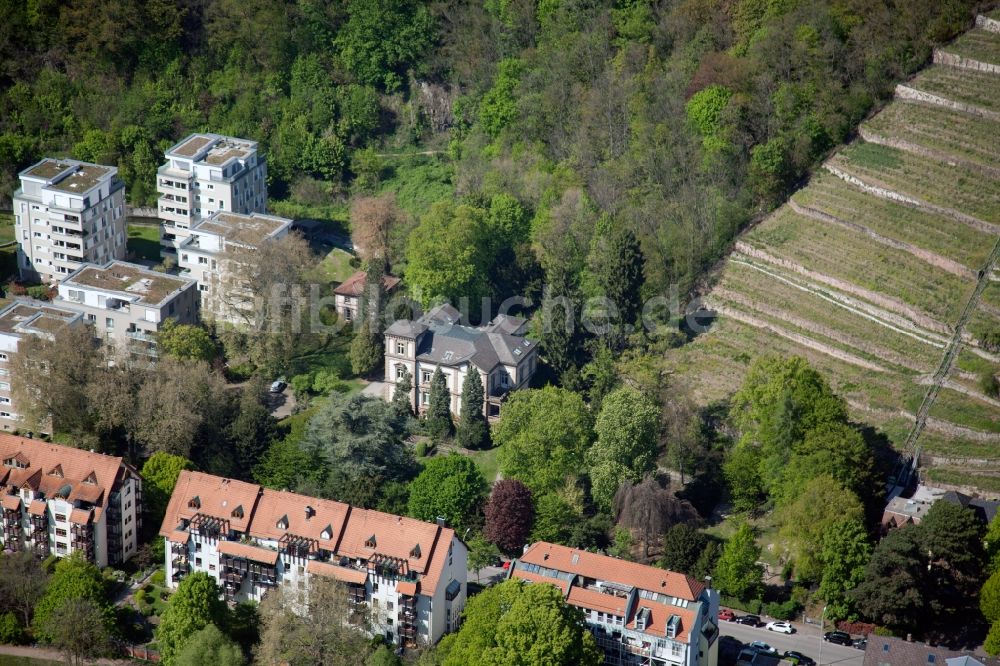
(178, 548)
(140, 336)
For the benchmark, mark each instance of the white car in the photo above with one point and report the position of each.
(781, 627)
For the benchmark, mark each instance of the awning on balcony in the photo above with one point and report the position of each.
(248, 552)
(11, 502)
(178, 536)
(407, 587)
(343, 574)
(37, 508)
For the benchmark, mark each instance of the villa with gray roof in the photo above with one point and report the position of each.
(498, 351)
(127, 303)
(203, 174)
(207, 255)
(67, 213)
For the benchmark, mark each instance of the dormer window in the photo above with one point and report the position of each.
(91, 479)
(370, 542)
(327, 532)
(415, 552)
(237, 512)
(56, 471)
(194, 502)
(17, 461)
(282, 523)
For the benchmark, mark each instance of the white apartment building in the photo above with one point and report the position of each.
(19, 319)
(203, 174)
(57, 500)
(407, 575)
(640, 615)
(127, 303)
(67, 213)
(503, 357)
(208, 255)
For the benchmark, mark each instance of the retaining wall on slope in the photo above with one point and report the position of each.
(952, 60)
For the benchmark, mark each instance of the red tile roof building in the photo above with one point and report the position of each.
(58, 499)
(410, 574)
(347, 295)
(639, 614)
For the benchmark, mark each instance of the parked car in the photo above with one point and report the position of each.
(761, 646)
(838, 637)
(752, 620)
(278, 385)
(799, 658)
(781, 627)
(861, 643)
(727, 615)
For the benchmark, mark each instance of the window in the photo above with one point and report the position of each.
(75, 295)
(211, 567)
(4, 401)
(197, 561)
(375, 589)
(425, 398)
(60, 518)
(425, 376)
(202, 260)
(109, 323)
(401, 348)
(5, 415)
(60, 532)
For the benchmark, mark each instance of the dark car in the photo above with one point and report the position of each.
(799, 658)
(838, 637)
(752, 620)
(861, 643)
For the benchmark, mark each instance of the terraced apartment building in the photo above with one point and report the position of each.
(59, 500)
(211, 255)
(20, 319)
(406, 577)
(639, 614)
(203, 174)
(127, 303)
(67, 213)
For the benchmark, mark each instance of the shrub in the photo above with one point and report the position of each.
(302, 384)
(141, 598)
(988, 383)
(11, 631)
(40, 291)
(883, 631)
(159, 577)
(785, 610)
(424, 448)
(753, 606)
(148, 587)
(328, 381)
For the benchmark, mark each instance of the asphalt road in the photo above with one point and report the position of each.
(806, 641)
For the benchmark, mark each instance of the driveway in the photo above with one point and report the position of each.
(281, 404)
(375, 390)
(806, 640)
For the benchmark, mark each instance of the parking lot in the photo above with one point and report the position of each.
(806, 639)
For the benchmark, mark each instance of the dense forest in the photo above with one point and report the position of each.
(677, 120)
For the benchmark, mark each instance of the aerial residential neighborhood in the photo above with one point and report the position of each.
(390, 332)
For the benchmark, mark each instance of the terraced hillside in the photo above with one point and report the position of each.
(883, 267)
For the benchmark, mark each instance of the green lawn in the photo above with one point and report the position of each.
(335, 355)
(487, 463)
(6, 227)
(335, 266)
(6, 660)
(144, 241)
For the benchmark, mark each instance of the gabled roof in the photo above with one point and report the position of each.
(984, 509)
(246, 551)
(603, 567)
(354, 286)
(343, 574)
(216, 497)
(897, 652)
(75, 464)
(326, 516)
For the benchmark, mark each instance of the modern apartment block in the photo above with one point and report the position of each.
(19, 319)
(127, 303)
(408, 576)
(57, 500)
(499, 352)
(639, 614)
(67, 213)
(203, 174)
(212, 249)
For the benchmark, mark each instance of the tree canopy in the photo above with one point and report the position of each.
(509, 515)
(737, 572)
(74, 580)
(626, 445)
(195, 605)
(450, 486)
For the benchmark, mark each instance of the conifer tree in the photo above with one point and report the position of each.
(438, 415)
(402, 400)
(473, 431)
(623, 278)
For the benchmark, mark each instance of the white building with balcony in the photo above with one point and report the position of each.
(406, 577)
(640, 615)
(58, 500)
(203, 174)
(127, 303)
(212, 249)
(67, 213)
(18, 320)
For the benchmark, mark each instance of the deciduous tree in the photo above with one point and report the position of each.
(450, 486)
(737, 572)
(846, 552)
(372, 220)
(543, 435)
(210, 646)
(160, 474)
(515, 623)
(649, 508)
(194, 605)
(78, 628)
(186, 342)
(509, 515)
(74, 580)
(626, 444)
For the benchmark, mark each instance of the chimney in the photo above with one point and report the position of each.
(310, 512)
(441, 521)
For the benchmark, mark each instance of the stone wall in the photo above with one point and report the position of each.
(952, 60)
(912, 94)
